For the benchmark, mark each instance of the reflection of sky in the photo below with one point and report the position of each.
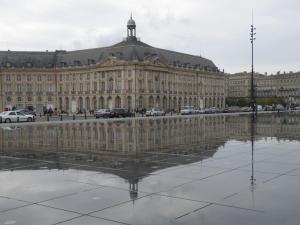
(208, 169)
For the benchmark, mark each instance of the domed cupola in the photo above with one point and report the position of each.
(131, 23)
(131, 29)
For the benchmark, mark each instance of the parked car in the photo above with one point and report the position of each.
(104, 113)
(279, 107)
(187, 110)
(155, 112)
(120, 112)
(15, 116)
(232, 109)
(199, 111)
(259, 108)
(268, 108)
(246, 109)
(211, 110)
(27, 111)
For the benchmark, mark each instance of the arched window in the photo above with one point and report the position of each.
(60, 103)
(80, 104)
(140, 102)
(87, 103)
(101, 102)
(95, 103)
(118, 102)
(157, 102)
(129, 103)
(67, 103)
(151, 102)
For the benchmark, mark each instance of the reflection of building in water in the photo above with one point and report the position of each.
(135, 148)
(132, 137)
(277, 126)
(176, 135)
(130, 149)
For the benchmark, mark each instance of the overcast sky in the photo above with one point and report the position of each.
(215, 29)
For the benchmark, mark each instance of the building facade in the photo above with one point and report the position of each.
(130, 74)
(281, 85)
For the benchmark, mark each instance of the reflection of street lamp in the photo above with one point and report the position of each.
(252, 179)
(253, 118)
(252, 39)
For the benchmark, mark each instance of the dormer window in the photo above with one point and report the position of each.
(120, 54)
(186, 65)
(8, 64)
(91, 61)
(63, 64)
(76, 63)
(29, 64)
(176, 63)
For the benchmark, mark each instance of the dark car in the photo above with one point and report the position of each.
(120, 112)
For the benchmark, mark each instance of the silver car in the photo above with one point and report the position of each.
(15, 116)
(155, 112)
(104, 113)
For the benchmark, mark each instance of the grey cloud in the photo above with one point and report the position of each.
(216, 29)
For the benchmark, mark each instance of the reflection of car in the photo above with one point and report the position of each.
(104, 113)
(10, 128)
(155, 112)
(120, 112)
(187, 110)
(14, 116)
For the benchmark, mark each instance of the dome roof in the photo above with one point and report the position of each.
(131, 22)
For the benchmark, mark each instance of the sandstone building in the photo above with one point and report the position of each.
(281, 85)
(130, 74)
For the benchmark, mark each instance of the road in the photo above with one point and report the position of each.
(43, 120)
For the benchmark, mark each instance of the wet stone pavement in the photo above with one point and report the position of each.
(184, 170)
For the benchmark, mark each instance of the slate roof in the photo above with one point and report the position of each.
(27, 59)
(128, 50)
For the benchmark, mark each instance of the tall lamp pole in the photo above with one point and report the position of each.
(252, 39)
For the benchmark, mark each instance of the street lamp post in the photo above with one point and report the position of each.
(252, 39)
